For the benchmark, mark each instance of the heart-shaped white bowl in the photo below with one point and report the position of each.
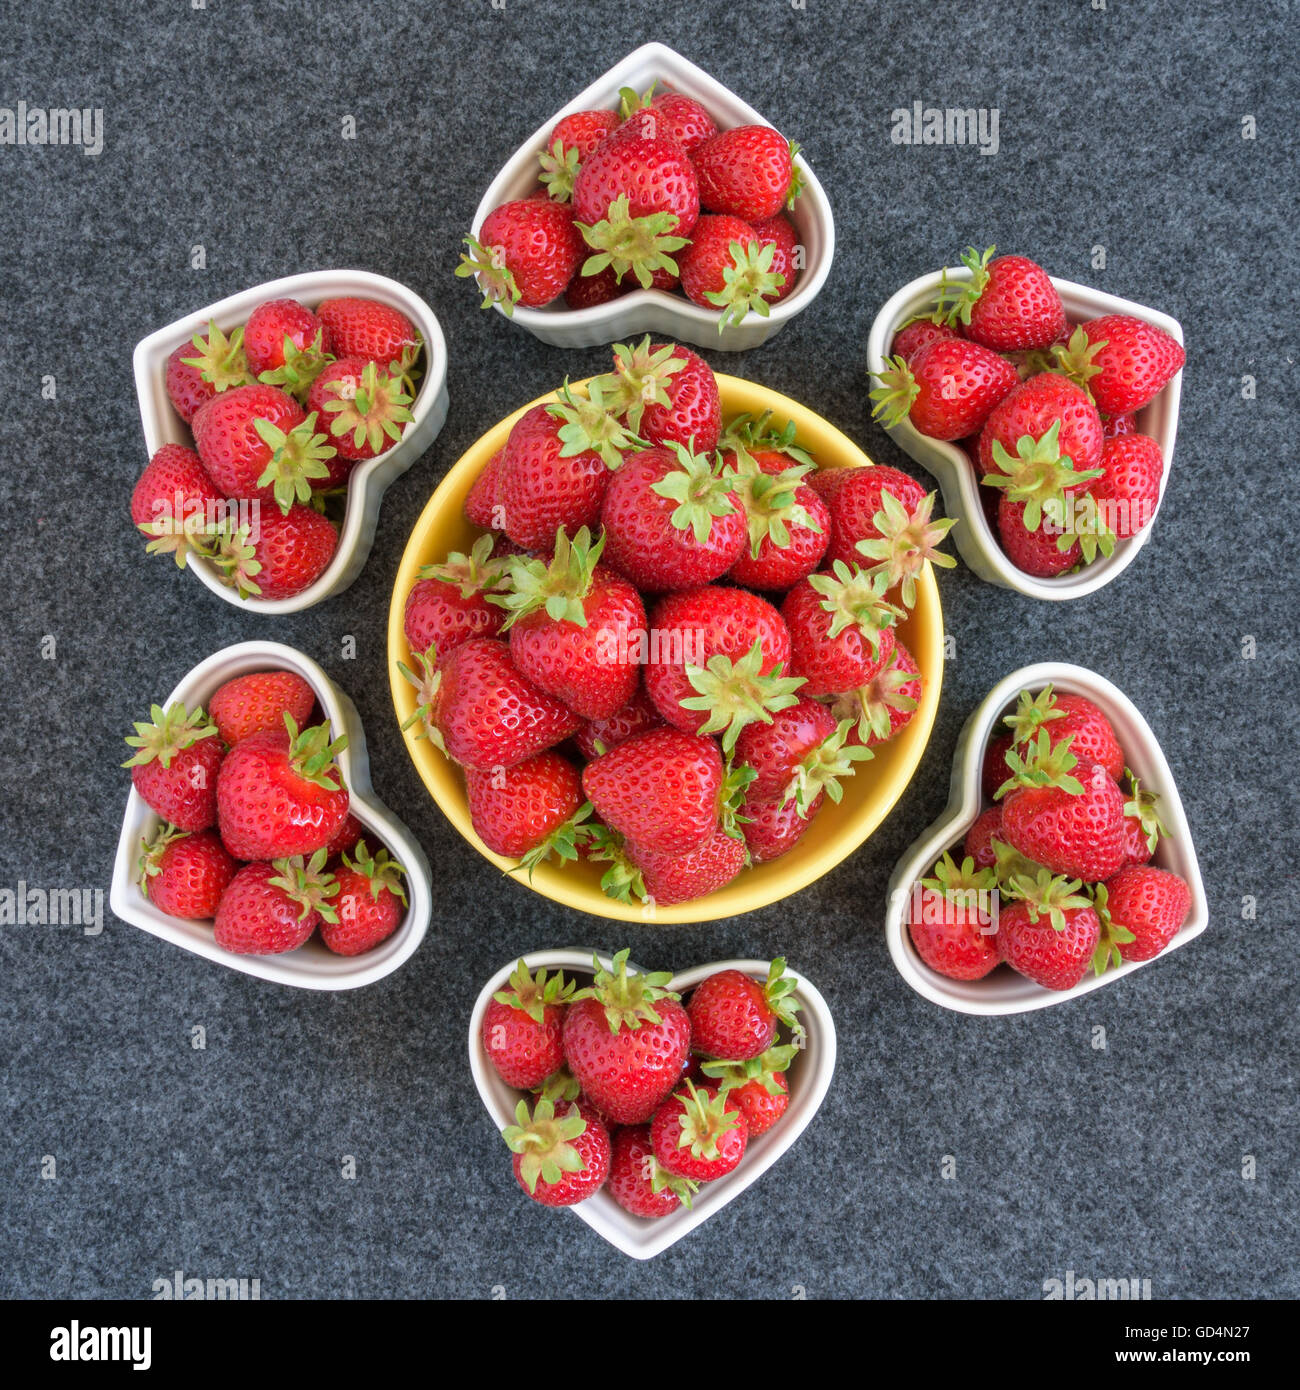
(312, 966)
(809, 1078)
(976, 540)
(369, 479)
(654, 311)
(1004, 991)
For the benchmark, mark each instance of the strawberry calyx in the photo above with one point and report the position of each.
(1031, 713)
(544, 1139)
(771, 506)
(475, 573)
(307, 883)
(1008, 862)
(1048, 895)
(797, 181)
(1145, 806)
(301, 367)
(747, 282)
(704, 1120)
(220, 360)
(235, 557)
(296, 458)
(427, 679)
(959, 882)
(1113, 934)
(906, 542)
(1039, 475)
(736, 693)
(641, 377)
(700, 487)
(561, 1085)
(684, 1189)
(869, 705)
(167, 732)
(822, 767)
(854, 598)
(1075, 359)
(632, 245)
(192, 532)
(533, 994)
(559, 169)
(149, 864)
(893, 398)
(623, 880)
(590, 425)
(382, 871)
(565, 841)
(959, 300)
(560, 588)
(778, 991)
(764, 1069)
(630, 101)
(627, 999)
(1086, 527)
(942, 306)
(736, 778)
(312, 753)
(375, 410)
(495, 278)
(746, 433)
(1042, 765)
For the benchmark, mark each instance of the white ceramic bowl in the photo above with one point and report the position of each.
(1004, 991)
(369, 479)
(312, 966)
(975, 539)
(654, 311)
(809, 1078)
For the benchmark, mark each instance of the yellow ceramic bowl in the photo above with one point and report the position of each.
(837, 830)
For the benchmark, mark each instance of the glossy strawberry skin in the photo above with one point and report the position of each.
(514, 809)
(1080, 835)
(829, 665)
(346, 837)
(593, 1149)
(268, 326)
(960, 384)
(232, 451)
(912, 337)
(1152, 903)
(185, 792)
(987, 826)
(744, 171)
(666, 1128)
(540, 490)
(655, 174)
(364, 919)
(194, 871)
(539, 245)
(1128, 491)
(294, 549)
(1137, 362)
(340, 381)
(1019, 308)
(779, 232)
(631, 1165)
(626, 1074)
(957, 940)
(523, 1051)
(175, 471)
(1092, 736)
(582, 131)
(256, 918)
(481, 500)
(1032, 408)
(366, 328)
(772, 829)
(437, 613)
(857, 500)
(254, 703)
(760, 1108)
(681, 118)
(185, 386)
(1056, 960)
(775, 750)
(995, 770)
(266, 809)
(780, 567)
(1116, 426)
(730, 1017)
(1034, 552)
(659, 789)
(693, 415)
(587, 291)
(682, 877)
(704, 263)
(636, 717)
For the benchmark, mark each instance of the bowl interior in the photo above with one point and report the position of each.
(836, 831)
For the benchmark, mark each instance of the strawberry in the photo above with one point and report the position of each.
(626, 1039)
(1128, 491)
(735, 1017)
(950, 920)
(995, 769)
(526, 811)
(272, 908)
(285, 345)
(361, 408)
(370, 902)
(357, 327)
(637, 1182)
(671, 519)
(772, 826)
(1035, 550)
(1116, 426)
(1142, 909)
(175, 765)
(575, 626)
(582, 131)
(203, 367)
(281, 793)
(948, 389)
(1009, 304)
(1143, 827)
(252, 704)
(717, 660)
(1123, 361)
(184, 875)
(699, 1133)
(1032, 408)
(776, 748)
(841, 629)
(779, 233)
(747, 172)
(1062, 716)
(977, 845)
(587, 291)
(671, 115)
(1063, 813)
(448, 603)
(879, 709)
(176, 504)
(728, 266)
(678, 877)
(661, 789)
(523, 1026)
(526, 253)
(480, 711)
(561, 1154)
(789, 524)
(279, 556)
(599, 735)
(757, 1086)
(857, 495)
(667, 393)
(481, 500)
(1049, 932)
(345, 837)
(918, 333)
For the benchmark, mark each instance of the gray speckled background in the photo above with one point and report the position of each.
(1120, 126)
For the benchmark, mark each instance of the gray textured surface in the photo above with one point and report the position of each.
(1120, 127)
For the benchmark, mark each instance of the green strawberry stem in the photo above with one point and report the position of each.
(701, 489)
(821, 769)
(957, 301)
(427, 679)
(220, 360)
(533, 994)
(854, 598)
(590, 424)
(235, 558)
(746, 433)
(149, 863)
(705, 1119)
(1047, 895)
(565, 842)
(747, 282)
(301, 367)
(1043, 765)
(475, 573)
(1039, 475)
(628, 1000)
(376, 413)
(560, 588)
(307, 884)
(631, 245)
(641, 378)
(1113, 934)
(893, 398)
(735, 693)
(382, 871)
(764, 1069)
(296, 458)
(1146, 807)
(166, 733)
(312, 753)
(495, 278)
(559, 169)
(771, 505)
(906, 542)
(545, 1142)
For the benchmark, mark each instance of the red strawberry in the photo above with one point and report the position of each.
(671, 115)
(286, 345)
(950, 918)
(747, 171)
(346, 837)
(582, 130)
(977, 846)
(481, 500)
(361, 408)
(757, 1087)
(185, 875)
(626, 1038)
(995, 769)
(1143, 827)
(448, 603)
(856, 500)
(257, 702)
(678, 877)
(272, 908)
(1116, 426)
(841, 629)
(1128, 491)
(279, 555)
(600, 735)
(671, 520)
(1142, 910)
(776, 749)
(1062, 715)
(772, 827)
(1127, 362)
(1009, 304)
(878, 521)
(728, 266)
(366, 328)
(779, 232)
(587, 291)
(281, 793)
(480, 711)
(174, 766)
(735, 1017)
(667, 393)
(1033, 408)
(919, 333)
(879, 709)
(789, 524)
(201, 368)
(699, 1133)
(528, 810)
(176, 504)
(1037, 551)
(1050, 933)
(637, 1182)
(561, 1153)
(523, 1027)
(526, 253)
(947, 389)
(576, 627)
(370, 903)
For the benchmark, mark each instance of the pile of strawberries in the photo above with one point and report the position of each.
(281, 412)
(1044, 410)
(257, 833)
(632, 1090)
(686, 606)
(1056, 875)
(652, 195)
